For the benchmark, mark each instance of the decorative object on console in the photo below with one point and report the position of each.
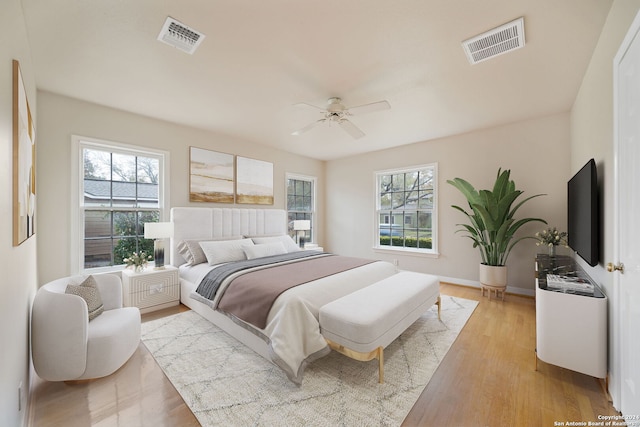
(210, 176)
(24, 153)
(551, 238)
(492, 225)
(138, 260)
(158, 231)
(255, 181)
(301, 226)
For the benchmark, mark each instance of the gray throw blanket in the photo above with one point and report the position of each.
(208, 287)
(251, 295)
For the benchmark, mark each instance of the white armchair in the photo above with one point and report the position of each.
(65, 345)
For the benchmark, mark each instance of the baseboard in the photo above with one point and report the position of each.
(475, 284)
(30, 407)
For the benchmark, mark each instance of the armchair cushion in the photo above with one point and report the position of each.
(88, 291)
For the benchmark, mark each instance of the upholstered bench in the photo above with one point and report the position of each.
(361, 324)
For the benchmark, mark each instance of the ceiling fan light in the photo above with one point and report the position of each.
(336, 112)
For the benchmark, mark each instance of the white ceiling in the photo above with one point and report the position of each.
(259, 58)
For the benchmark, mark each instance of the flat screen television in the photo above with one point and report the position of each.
(583, 213)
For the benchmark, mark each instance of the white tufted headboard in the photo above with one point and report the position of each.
(208, 223)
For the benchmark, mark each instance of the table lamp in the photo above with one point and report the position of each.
(301, 225)
(158, 231)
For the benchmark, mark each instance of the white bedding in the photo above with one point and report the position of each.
(292, 331)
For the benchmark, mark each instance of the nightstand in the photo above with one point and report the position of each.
(151, 289)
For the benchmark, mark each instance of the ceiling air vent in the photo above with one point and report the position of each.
(176, 34)
(502, 39)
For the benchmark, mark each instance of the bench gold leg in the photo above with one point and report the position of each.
(439, 304)
(378, 353)
(380, 365)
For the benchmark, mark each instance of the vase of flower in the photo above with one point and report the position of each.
(551, 238)
(138, 261)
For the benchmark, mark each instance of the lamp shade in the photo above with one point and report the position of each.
(302, 225)
(158, 230)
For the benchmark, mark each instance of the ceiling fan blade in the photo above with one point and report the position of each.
(369, 108)
(308, 127)
(304, 104)
(351, 129)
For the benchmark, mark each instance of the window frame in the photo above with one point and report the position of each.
(423, 252)
(78, 143)
(314, 199)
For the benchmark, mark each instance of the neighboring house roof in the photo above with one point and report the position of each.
(98, 189)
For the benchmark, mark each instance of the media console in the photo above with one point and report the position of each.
(571, 326)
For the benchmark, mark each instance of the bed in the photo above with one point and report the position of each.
(291, 335)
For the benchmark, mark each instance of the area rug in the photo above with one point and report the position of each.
(225, 383)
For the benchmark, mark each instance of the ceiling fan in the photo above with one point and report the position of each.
(336, 112)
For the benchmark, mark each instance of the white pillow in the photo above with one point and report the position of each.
(225, 251)
(266, 249)
(286, 240)
(192, 252)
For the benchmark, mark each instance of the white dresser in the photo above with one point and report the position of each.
(571, 327)
(151, 289)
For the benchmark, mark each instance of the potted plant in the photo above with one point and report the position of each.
(492, 225)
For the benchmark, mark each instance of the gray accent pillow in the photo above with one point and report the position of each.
(88, 291)
(191, 252)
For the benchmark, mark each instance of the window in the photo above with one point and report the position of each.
(119, 188)
(301, 195)
(406, 209)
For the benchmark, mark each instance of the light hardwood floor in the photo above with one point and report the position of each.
(487, 378)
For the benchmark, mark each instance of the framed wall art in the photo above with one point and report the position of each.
(254, 181)
(24, 155)
(210, 176)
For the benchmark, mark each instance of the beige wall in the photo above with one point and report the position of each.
(592, 136)
(62, 117)
(592, 123)
(18, 264)
(536, 151)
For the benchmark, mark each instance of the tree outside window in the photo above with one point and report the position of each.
(406, 208)
(120, 194)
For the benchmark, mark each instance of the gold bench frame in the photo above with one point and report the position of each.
(378, 353)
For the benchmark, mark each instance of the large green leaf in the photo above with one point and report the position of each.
(466, 189)
(492, 226)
